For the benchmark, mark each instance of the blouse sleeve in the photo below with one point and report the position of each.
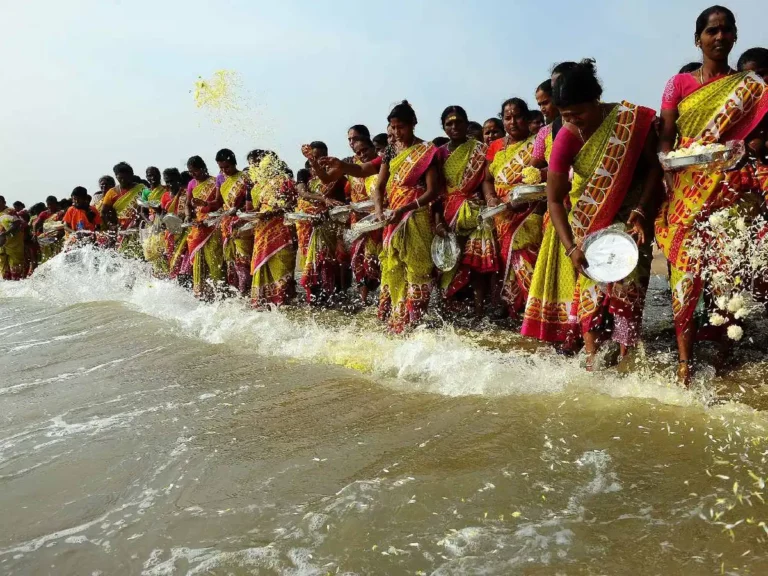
(673, 94)
(564, 149)
(540, 144)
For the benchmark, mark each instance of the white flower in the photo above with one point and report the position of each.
(722, 302)
(736, 303)
(716, 319)
(741, 313)
(741, 225)
(735, 332)
(715, 220)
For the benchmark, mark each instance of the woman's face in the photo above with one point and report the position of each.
(455, 127)
(125, 179)
(352, 137)
(491, 131)
(228, 168)
(717, 39)
(79, 202)
(104, 185)
(587, 116)
(153, 177)
(546, 105)
(172, 181)
(402, 132)
(515, 122)
(197, 173)
(363, 150)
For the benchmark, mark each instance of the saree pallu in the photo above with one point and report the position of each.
(406, 259)
(723, 110)
(364, 252)
(563, 303)
(463, 171)
(204, 244)
(52, 249)
(237, 247)
(518, 230)
(13, 258)
(175, 244)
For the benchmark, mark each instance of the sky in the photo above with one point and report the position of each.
(89, 83)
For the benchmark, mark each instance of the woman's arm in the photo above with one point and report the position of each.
(648, 205)
(489, 191)
(557, 190)
(380, 192)
(334, 165)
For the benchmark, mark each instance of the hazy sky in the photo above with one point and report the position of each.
(88, 83)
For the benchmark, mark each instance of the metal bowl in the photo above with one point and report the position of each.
(612, 255)
(489, 213)
(365, 206)
(173, 223)
(445, 252)
(340, 213)
(528, 193)
(369, 224)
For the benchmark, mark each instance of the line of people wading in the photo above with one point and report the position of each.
(252, 230)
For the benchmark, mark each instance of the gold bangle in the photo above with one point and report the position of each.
(571, 250)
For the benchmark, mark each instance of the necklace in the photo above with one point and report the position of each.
(701, 74)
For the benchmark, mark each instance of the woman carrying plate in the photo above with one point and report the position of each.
(205, 252)
(408, 181)
(616, 178)
(518, 229)
(274, 249)
(364, 252)
(119, 207)
(710, 105)
(238, 248)
(321, 248)
(463, 166)
(173, 203)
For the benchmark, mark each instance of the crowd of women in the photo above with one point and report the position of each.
(253, 229)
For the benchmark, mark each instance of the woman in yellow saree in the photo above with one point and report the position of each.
(121, 201)
(518, 229)
(616, 179)
(233, 193)
(408, 181)
(13, 262)
(463, 165)
(203, 239)
(709, 105)
(274, 251)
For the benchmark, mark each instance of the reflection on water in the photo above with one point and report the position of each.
(143, 432)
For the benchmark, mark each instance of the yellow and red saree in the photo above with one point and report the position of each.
(364, 252)
(321, 247)
(204, 242)
(176, 249)
(603, 191)
(406, 259)
(723, 110)
(463, 172)
(274, 252)
(237, 248)
(124, 204)
(519, 229)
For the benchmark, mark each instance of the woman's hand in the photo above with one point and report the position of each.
(636, 226)
(331, 203)
(331, 164)
(579, 261)
(441, 229)
(493, 202)
(199, 202)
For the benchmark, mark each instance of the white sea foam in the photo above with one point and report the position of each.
(440, 361)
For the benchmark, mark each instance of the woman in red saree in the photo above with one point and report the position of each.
(408, 182)
(321, 247)
(173, 203)
(274, 249)
(709, 105)
(616, 179)
(518, 229)
(203, 238)
(463, 165)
